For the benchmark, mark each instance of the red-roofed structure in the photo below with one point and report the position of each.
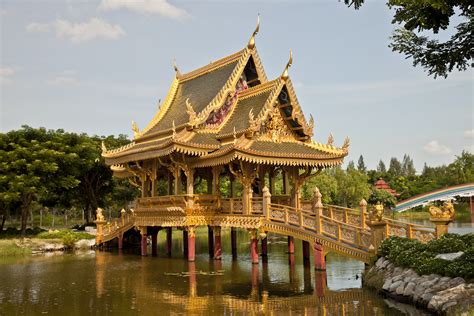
(382, 185)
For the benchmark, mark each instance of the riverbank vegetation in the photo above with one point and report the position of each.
(410, 253)
(51, 178)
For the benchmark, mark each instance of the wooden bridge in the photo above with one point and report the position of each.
(356, 233)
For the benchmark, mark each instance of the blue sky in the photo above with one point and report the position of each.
(93, 66)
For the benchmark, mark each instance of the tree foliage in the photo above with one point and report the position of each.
(417, 18)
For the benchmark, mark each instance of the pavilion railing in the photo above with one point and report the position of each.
(231, 206)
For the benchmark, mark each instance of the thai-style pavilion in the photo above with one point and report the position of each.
(223, 120)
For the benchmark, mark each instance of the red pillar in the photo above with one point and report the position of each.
(321, 283)
(185, 243)
(233, 240)
(191, 244)
(144, 242)
(218, 243)
(319, 260)
(154, 243)
(254, 246)
(291, 245)
(305, 251)
(264, 247)
(210, 241)
(168, 241)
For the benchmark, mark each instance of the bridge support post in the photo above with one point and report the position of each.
(169, 240)
(321, 283)
(317, 207)
(218, 243)
(441, 226)
(319, 260)
(291, 245)
(185, 243)
(305, 251)
(191, 244)
(210, 241)
(253, 246)
(378, 231)
(143, 232)
(120, 241)
(154, 242)
(233, 241)
(264, 247)
(363, 211)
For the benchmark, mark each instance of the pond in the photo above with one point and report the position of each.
(112, 282)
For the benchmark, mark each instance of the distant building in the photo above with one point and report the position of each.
(382, 185)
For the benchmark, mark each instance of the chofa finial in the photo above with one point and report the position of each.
(104, 149)
(285, 75)
(251, 43)
(135, 129)
(176, 68)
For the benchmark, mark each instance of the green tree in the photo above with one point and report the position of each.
(350, 166)
(408, 167)
(327, 185)
(382, 196)
(361, 165)
(381, 167)
(395, 168)
(32, 165)
(352, 187)
(418, 19)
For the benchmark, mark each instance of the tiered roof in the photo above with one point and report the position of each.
(228, 110)
(382, 185)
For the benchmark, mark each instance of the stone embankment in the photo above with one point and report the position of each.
(442, 295)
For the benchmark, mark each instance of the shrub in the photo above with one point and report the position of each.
(410, 253)
(69, 240)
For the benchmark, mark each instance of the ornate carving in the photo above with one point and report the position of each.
(135, 129)
(192, 114)
(330, 139)
(445, 212)
(100, 217)
(251, 43)
(275, 127)
(346, 144)
(376, 213)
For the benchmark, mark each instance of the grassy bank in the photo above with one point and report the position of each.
(12, 245)
(463, 213)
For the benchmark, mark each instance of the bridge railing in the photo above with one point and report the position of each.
(408, 230)
(232, 206)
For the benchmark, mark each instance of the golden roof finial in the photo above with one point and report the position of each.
(135, 129)
(104, 149)
(285, 75)
(330, 139)
(251, 43)
(178, 74)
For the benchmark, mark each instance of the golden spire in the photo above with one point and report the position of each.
(251, 43)
(284, 75)
(178, 74)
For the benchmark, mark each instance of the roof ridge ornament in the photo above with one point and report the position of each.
(251, 43)
(192, 114)
(330, 139)
(175, 67)
(345, 146)
(285, 75)
(135, 129)
(104, 149)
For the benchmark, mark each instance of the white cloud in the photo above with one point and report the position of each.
(37, 27)
(435, 148)
(469, 134)
(5, 74)
(161, 7)
(95, 28)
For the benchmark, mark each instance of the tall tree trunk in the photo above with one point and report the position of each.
(2, 224)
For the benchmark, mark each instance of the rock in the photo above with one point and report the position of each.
(394, 286)
(409, 289)
(386, 285)
(400, 289)
(449, 256)
(380, 262)
(425, 298)
(90, 230)
(84, 243)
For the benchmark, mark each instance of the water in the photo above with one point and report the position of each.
(104, 283)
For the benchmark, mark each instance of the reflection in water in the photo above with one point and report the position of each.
(111, 283)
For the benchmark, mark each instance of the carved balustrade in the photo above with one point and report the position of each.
(408, 230)
(232, 206)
